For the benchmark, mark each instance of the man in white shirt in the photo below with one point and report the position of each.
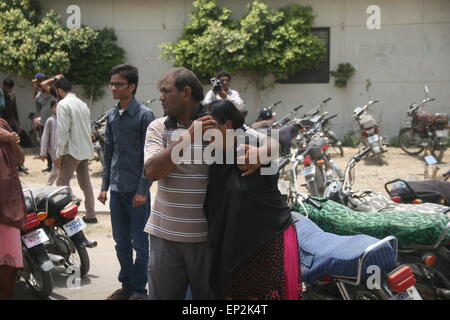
(225, 93)
(74, 147)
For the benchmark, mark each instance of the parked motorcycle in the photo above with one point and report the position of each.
(370, 131)
(37, 265)
(377, 215)
(338, 267)
(425, 131)
(433, 191)
(318, 169)
(67, 242)
(98, 132)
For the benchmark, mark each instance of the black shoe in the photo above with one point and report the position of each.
(23, 169)
(47, 170)
(92, 221)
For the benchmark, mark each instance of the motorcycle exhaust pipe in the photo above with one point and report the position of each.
(91, 243)
(445, 293)
(56, 259)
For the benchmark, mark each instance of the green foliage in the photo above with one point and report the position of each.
(29, 8)
(350, 140)
(27, 48)
(394, 142)
(29, 45)
(343, 73)
(90, 67)
(263, 42)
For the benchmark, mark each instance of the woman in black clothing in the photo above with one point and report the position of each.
(253, 243)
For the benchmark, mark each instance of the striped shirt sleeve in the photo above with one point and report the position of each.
(154, 141)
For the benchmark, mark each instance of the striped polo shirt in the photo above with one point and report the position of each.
(177, 211)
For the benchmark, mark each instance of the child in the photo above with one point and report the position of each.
(48, 141)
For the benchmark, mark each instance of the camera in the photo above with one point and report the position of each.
(217, 85)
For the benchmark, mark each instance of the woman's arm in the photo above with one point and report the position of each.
(19, 155)
(13, 139)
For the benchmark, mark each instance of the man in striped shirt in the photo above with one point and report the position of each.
(178, 228)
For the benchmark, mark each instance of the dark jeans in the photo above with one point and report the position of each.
(128, 231)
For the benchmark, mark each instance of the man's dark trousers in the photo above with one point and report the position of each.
(128, 225)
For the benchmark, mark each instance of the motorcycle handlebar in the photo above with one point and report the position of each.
(330, 117)
(360, 155)
(297, 108)
(312, 202)
(326, 100)
(275, 104)
(446, 174)
(283, 164)
(372, 102)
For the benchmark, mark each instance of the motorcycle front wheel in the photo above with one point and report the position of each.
(410, 141)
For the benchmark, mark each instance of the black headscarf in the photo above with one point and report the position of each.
(243, 213)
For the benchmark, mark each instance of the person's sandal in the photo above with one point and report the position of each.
(120, 294)
(139, 296)
(87, 220)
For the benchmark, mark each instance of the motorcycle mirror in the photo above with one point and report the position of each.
(427, 91)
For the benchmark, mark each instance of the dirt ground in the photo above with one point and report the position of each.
(36, 176)
(369, 176)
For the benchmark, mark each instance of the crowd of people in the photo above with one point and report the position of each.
(196, 235)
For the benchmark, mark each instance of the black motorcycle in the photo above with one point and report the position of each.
(98, 132)
(37, 265)
(67, 243)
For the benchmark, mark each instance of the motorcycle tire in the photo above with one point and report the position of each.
(437, 151)
(378, 159)
(404, 138)
(341, 150)
(312, 188)
(316, 188)
(39, 281)
(84, 258)
(75, 255)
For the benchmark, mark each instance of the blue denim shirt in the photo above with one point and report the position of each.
(123, 165)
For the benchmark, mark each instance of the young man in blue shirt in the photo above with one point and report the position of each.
(129, 190)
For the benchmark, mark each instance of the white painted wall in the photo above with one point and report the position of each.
(411, 49)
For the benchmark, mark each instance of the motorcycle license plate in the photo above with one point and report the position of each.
(442, 133)
(74, 226)
(309, 170)
(373, 138)
(410, 294)
(34, 238)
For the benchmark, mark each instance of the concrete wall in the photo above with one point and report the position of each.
(411, 49)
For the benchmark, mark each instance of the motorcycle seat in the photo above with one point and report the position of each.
(322, 253)
(411, 228)
(40, 196)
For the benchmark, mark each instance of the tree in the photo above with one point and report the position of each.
(91, 67)
(264, 42)
(29, 45)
